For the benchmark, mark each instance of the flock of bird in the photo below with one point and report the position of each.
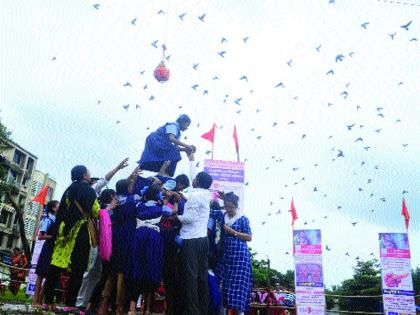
(352, 127)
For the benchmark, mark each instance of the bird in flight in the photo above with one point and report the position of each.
(96, 6)
(364, 25)
(280, 84)
(181, 16)
(318, 49)
(339, 57)
(392, 35)
(201, 17)
(245, 39)
(222, 54)
(134, 21)
(406, 26)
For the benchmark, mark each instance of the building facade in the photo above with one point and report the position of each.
(21, 173)
(34, 210)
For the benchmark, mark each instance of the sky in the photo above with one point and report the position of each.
(325, 97)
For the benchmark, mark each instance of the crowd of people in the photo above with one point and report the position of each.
(152, 236)
(277, 301)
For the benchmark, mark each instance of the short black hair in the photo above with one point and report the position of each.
(183, 180)
(215, 205)
(106, 197)
(78, 172)
(52, 204)
(152, 192)
(16, 248)
(231, 197)
(122, 187)
(204, 180)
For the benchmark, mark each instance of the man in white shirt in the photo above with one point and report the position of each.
(195, 248)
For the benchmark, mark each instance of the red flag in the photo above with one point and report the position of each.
(235, 137)
(41, 196)
(209, 135)
(405, 214)
(294, 213)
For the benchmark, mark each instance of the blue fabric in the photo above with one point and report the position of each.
(44, 261)
(46, 222)
(123, 228)
(159, 148)
(214, 294)
(234, 266)
(173, 128)
(140, 184)
(147, 247)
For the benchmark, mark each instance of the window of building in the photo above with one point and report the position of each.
(30, 165)
(50, 193)
(18, 157)
(4, 216)
(10, 241)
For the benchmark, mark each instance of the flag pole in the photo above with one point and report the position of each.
(212, 150)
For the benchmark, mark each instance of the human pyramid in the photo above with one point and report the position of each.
(151, 237)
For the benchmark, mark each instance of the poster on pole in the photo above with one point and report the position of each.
(309, 276)
(30, 288)
(227, 176)
(397, 283)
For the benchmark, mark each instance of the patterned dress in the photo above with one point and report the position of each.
(234, 266)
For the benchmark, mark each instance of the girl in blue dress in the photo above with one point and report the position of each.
(234, 265)
(123, 220)
(162, 150)
(44, 261)
(147, 248)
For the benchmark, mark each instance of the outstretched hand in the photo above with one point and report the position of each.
(135, 173)
(123, 164)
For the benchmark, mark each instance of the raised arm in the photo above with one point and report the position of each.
(120, 166)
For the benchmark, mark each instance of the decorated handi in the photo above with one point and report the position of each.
(161, 72)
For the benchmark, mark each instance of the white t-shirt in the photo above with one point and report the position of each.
(196, 214)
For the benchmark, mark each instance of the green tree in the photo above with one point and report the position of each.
(261, 273)
(10, 191)
(416, 280)
(366, 281)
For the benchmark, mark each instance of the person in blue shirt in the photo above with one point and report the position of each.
(45, 233)
(162, 150)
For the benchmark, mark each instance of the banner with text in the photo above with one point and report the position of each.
(309, 277)
(227, 176)
(397, 283)
(30, 288)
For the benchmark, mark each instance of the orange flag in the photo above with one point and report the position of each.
(41, 196)
(405, 214)
(294, 213)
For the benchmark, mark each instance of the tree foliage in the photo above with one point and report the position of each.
(366, 281)
(261, 273)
